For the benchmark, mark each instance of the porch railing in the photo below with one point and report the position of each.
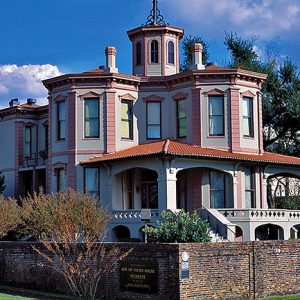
(219, 223)
(32, 160)
(132, 216)
(254, 214)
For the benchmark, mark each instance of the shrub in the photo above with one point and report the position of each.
(178, 227)
(288, 202)
(71, 227)
(10, 215)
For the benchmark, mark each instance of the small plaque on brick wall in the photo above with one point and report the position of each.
(139, 276)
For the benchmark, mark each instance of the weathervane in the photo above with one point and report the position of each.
(155, 18)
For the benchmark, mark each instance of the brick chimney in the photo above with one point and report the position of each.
(197, 57)
(110, 53)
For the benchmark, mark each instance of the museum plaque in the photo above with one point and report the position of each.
(139, 276)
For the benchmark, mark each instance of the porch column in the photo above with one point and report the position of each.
(167, 195)
(263, 194)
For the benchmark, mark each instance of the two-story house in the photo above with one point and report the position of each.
(157, 139)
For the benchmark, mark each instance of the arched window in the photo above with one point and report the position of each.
(138, 54)
(154, 51)
(171, 56)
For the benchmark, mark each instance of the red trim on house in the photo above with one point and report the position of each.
(235, 119)
(91, 95)
(248, 94)
(72, 121)
(239, 189)
(215, 92)
(153, 98)
(196, 116)
(180, 96)
(110, 122)
(127, 97)
(260, 123)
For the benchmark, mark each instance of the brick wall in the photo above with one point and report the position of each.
(216, 271)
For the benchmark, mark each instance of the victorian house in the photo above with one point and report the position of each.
(155, 139)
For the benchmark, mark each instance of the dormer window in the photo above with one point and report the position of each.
(171, 53)
(154, 52)
(138, 54)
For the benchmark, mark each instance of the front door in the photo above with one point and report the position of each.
(149, 189)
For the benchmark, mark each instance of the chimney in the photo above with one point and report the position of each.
(110, 53)
(31, 101)
(197, 57)
(14, 102)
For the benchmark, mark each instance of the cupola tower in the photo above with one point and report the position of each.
(155, 46)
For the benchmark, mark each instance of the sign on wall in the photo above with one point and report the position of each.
(139, 276)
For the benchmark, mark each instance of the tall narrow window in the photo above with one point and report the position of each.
(149, 189)
(91, 118)
(249, 188)
(181, 118)
(216, 115)
(91, 181)
(61, 120)
(138, 54)
(154, 51)
(61, 180)
(171, 53)
(127, 189)
(153, 120)
(28, 141)
(248, 117)
(126, 120)
(217, 189)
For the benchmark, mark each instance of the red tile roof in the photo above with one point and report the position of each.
(169, 147)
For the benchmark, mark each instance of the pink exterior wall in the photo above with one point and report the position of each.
(196, 99)
(235, 119)
(71, 121)
(110, 121)
(19, 126)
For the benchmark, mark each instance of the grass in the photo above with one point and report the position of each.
(10, 297)
(290, 297)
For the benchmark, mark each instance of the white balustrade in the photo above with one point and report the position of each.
(132, 216)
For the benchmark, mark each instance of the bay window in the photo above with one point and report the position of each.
(126, 119)
(91, 118)
(216, 115)
(171, 53)
(153, 120)
(248, 117)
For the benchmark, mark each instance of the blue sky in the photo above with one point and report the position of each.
(44, 38)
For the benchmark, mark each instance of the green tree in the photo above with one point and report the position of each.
(2, 183)
(187, 46)
(281, 94)
(71, 227)
(178, 227)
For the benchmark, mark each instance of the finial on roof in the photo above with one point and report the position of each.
(155, 18)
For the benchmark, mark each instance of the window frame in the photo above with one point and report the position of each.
(98, 118)
(130, 120)
(154, 53)
(147, 121)
(252, 186)
(224, 190)
(171, 54)
(210, 116)
(28, 142)
(249, 118)
(138, 54)
(178, 118)
(58, 121)
(97, 193)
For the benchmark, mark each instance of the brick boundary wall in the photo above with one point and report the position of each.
(216, 270)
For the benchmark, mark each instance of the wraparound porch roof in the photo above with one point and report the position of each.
(175, 148)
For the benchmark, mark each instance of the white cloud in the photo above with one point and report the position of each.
(264, 18)
(25, 82)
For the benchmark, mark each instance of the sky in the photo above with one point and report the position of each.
(41, 39)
